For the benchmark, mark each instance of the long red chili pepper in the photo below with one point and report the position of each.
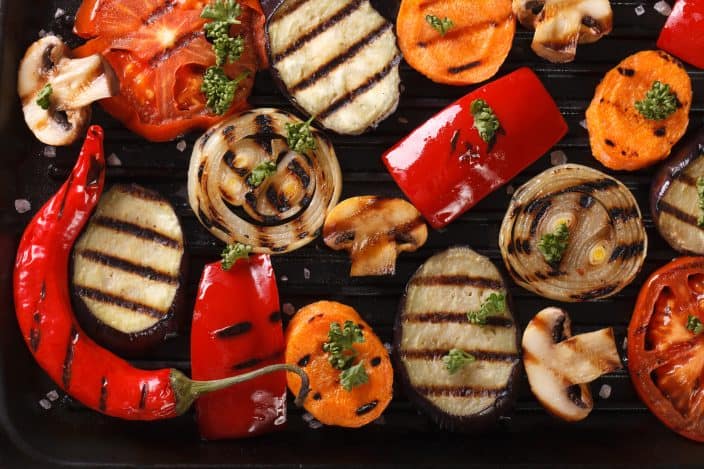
(237, 327)
(94, 376)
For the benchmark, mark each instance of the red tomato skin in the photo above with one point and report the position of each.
(683, 33)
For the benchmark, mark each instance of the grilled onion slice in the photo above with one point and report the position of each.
(607, 241)
(284, 212)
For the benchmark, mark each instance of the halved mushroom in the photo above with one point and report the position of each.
(560, 366)
(562, 24)
(70, 86)
(374, 230)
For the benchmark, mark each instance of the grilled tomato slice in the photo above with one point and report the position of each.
(160, 53)
(666, 345)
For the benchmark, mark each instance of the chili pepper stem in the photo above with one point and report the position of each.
(188, 390)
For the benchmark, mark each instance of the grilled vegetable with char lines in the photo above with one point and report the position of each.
(128, 270)
(561, 366)
(336, 60)
(447, 307)
(606, 243)
(677, 197)
(246, 184)
(374, 230)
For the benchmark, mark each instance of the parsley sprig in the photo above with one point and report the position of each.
(440, 25)
(260, 172)
(226, 11)
(341, 351)
(456, 359)
(232, 252)
(299, 136)
(219, 89)
(227, 49)
(660, 101)
(485, 121)
(553, 245)
(355, 375)
(44, 96)
(494, 304)
(694, 324)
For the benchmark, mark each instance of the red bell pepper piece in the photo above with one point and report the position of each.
(445, 168)
(237, 328)
(683, 33)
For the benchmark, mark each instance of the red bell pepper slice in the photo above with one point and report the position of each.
(445, 168)
(683, 33)
(237, 328)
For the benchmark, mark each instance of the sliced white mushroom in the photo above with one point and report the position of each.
(560, 366)
(75, 84)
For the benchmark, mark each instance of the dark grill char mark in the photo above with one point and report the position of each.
(68, 358)
(587, 188)
(143, 395)
(316, 31)
(128, 266)
(254, 361)
(539, 208)
(464, 67)
(457, 33)
(623, 214)
(234, 330)
(437, 354)
(47, 61)
(101, 296)
(402, 234)
(677, 213)
(361, 89)
(304, 360)
(596, 293)
(376, 361)
(296, 168)
(265, 132)
(586, 201)
(102, 403)
(317, 396)
(590, 22)
(457, 280)
(279, 201)
(626, 72)
(627, 251)
(574, 393)
(69, 183)
(366, 408)
(335, 62)
(558, 330)
(137, 231)
(534, 6)
(345, 237)
(609, 142)
(460, 391)
(159, 12)
(180, 43)
(442, 317)
(453, 140)
(660, 131)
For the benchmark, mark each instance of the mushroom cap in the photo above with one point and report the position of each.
(374, 230)
(560, 366)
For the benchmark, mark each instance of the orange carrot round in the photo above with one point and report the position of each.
(470, 50)
(328, 401)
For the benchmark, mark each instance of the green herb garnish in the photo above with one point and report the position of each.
(260, 172)
(354, 376)
(219, 89)
(440, 25)
(227, 49)
(43, 98)
(232, 252)
(494, 304)
(299, 136)
(485, 121)
(700, 197)
(226, 11)
(553, 245)
(456, 360)
(339, 344)
(659, 102)
(694, 324)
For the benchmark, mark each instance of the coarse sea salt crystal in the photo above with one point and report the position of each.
(22, 205)
(288, 309)
(663, 8)
(402, 120)
(605, 391)
(558, 157)
(284, 278)
(306, 273)
(510, 189)
(59, 13)
(49, 151)
(307, 417)
(315, 425)
(113, 160)
(640, 10)
(388, 347)
(181, 146)
(583, 124)
(52, 395)
(45, 404)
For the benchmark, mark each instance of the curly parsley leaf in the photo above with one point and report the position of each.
(660, 101)
(226, 11)
(227, 49)
(456, 359)
(340, 344)
(494, 304)
(485, 121)
(260, 172)
(44, 96)
(354, 376)
(219, 89)
(232, 252)
(440, 25)
(299, 136)
(553, 245)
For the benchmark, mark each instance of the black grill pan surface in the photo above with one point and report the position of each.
(620, 430)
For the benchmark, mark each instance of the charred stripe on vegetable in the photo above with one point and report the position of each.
(457, 33)
(108, 298)
(304, 359)
(366, 408)
(157, 13)
(143, 392)
(137, 230)
(254, 361)
(178, 44)
(127, 265)
(574, 392)
(539, 209)
(461, 280)
(376, 361)
(436, 317)
(68, 358)
(103, 400)
(437, 354)
(464, 67)
(296, 169)
(623, 214)
(626, 72)
(234, 330)
(460, 391)
(678, 213)
(596, 293)
(586, 201)
(626, 251)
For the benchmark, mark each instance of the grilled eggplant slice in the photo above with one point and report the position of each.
(433, 319)
(336, 60)
(675, 200)
(128, 271)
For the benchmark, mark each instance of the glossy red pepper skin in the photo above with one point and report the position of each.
(92, 375)
(445, 168)
(237, 328)
(683, 33)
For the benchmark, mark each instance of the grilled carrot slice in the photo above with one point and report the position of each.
(620, 136)
(469, 50)
(328, 401)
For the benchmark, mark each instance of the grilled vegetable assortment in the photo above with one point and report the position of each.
(337, 60)
(456, 340)
(560, 366)
(573, 233)
(374, 230)
(265, 179)
(128, 270)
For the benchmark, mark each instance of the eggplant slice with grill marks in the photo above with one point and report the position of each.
(128, 271)
(336, 60)
(279, 213)
(433, 320)
(607, 242)
(674, 197)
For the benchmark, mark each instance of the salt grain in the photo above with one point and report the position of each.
(402, 120)
(388, 347)
(42, 33)
(510, 189)
(583, 124)
(663, 8)
(52, 395)
(605, 391)
(49, 151)
(308, 417)
(181, 146)
(640, 10)
(113, 160)
(45, 404)
(315, 425)
(59, 13)
(288, 309)
(306, 273)
(22, 205)
(284, 278)
(558, 157)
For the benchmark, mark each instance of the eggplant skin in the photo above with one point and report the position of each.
(139, 343)
(487, 418)
(687, 152)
